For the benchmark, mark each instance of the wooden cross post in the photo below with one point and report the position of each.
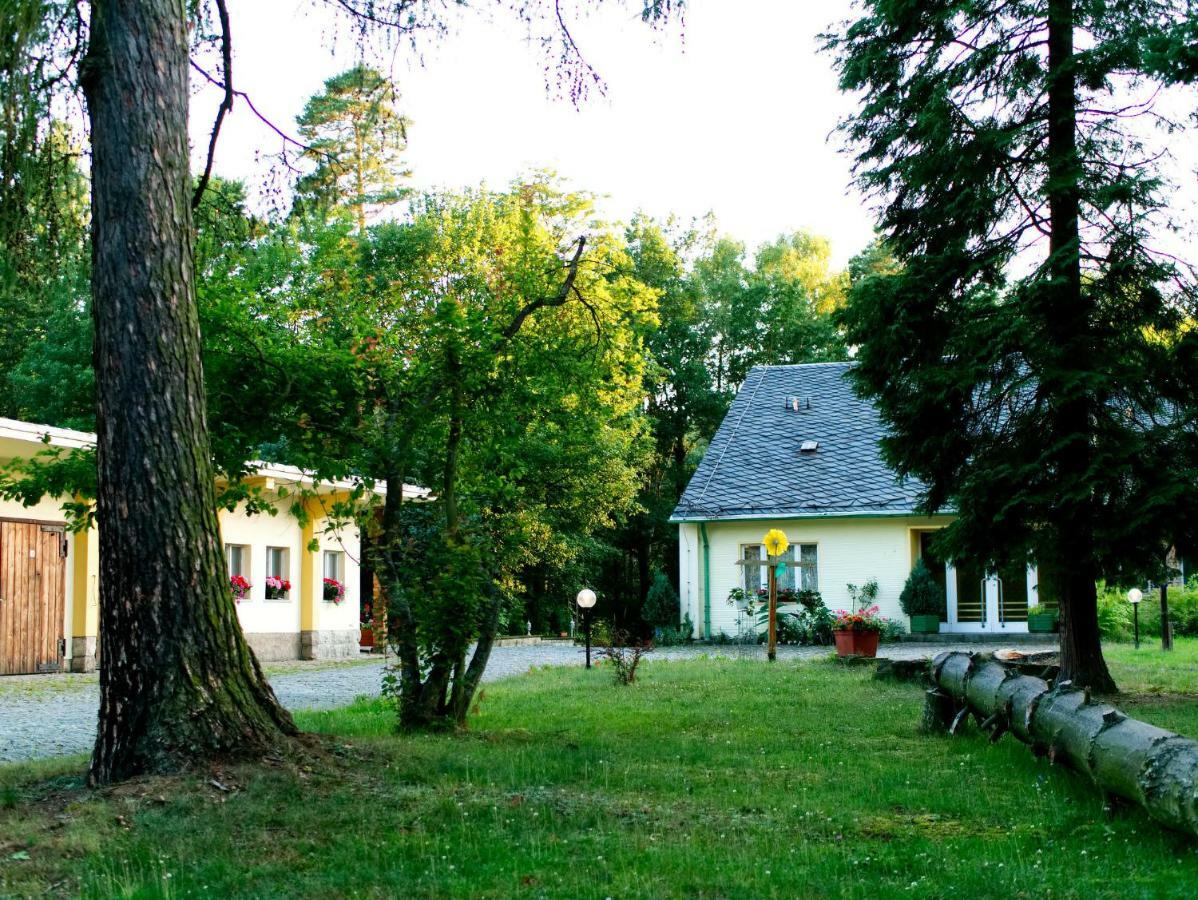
(772, 646)
(775, 545)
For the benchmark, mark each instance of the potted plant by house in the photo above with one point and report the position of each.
(334, 591)
(857, 633)
(276, 587)
(241, 587)
(1042, 619)
(923, 600)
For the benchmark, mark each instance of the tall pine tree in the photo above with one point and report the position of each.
(1028, 354)
(356, 138)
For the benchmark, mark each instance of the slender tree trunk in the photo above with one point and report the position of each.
(179, 684)
(1166, 624)
(1067, 315)
(401, 621)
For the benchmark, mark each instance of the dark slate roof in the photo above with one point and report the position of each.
(754, 467)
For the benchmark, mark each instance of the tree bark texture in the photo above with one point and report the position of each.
(1067, 313)
(1152, 767)
(179, 684)
(1166, 625)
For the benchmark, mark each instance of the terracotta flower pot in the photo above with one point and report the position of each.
(856, 643)
(367, 638)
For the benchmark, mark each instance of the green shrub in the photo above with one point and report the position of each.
(1183, 611)
(601, 633)
(1041, 610)
(921, 595)
(810, 626)
(1114, 614)
(664, 636)
(661, 603)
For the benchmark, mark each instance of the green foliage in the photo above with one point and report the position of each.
(67, 475)
(661, 604)
(439, 577)
(811, 626)
(683, 633)
(921, 595)
(863, 596)
(1115, 615)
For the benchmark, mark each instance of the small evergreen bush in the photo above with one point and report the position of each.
(921, 595)
(661, 603)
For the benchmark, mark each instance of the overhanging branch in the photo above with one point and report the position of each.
(226, 104)
(558, 299)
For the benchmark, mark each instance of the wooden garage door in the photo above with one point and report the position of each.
(32, 596)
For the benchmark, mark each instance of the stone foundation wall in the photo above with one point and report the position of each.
(329, 644)
(273, 646)
(83, 654)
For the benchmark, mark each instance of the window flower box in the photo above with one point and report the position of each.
(240, 586)
(277, 588)
(334, 591)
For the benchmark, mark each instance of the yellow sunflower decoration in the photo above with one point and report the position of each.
(775, 542)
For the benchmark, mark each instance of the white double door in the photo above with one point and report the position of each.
(989, 602)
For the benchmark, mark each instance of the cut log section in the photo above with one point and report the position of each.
(1150, 766)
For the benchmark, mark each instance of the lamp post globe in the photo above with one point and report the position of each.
(586, 599)
(1134, 596)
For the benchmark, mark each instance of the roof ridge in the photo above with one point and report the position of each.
(807, 365)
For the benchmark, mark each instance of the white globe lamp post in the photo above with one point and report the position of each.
(1134, 596)
(586, 599)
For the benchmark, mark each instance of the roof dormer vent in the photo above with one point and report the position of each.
(808, 447)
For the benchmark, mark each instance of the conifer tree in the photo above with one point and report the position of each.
(1027, 354)
(355, 137)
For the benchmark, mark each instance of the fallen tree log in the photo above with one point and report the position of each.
(1149, 766)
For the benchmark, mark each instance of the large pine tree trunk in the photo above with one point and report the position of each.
(1068, 317)
(179, 683)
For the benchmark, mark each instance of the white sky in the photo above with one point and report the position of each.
(732, 116)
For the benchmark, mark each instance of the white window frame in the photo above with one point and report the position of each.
(244, 568)
(794, 567)
(339, 556)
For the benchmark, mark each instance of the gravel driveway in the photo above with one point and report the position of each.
(52, 715)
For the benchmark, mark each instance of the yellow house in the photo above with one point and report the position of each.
(49, 591)
(798, 450)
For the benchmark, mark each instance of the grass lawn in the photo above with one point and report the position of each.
(710, 778)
